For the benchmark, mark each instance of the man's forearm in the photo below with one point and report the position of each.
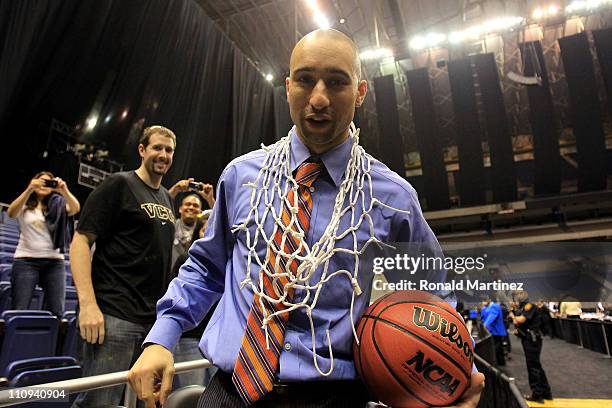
(80, 264)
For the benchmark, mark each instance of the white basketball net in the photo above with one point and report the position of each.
(270, 184)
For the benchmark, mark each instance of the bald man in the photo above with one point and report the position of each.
(323, 90)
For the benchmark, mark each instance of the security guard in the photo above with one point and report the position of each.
(527, 321)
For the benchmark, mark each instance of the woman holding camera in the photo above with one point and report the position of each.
(42, 211)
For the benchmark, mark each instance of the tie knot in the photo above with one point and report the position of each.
(307, 172)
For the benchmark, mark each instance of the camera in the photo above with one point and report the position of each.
(193, 185)
(50, 183)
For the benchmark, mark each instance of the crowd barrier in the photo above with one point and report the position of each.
(594, 335)
(92, 383)
(500, 390)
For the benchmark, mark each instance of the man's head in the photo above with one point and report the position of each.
(521, 296)
(324, 87)
(156, 148)
(190, 209)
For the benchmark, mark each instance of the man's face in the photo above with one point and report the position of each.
(190, 209)
(323, 91)
(157, 156)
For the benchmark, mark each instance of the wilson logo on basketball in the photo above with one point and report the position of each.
(431, 321)
(432, 373)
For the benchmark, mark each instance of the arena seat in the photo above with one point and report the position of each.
(17, 367)
(5, 272)
(24, 373)
(10, 313)
(185, 397)
(6, 257)
(72, 299)
(5, 295)
(28, 337)
(71, 339)
(7, 247)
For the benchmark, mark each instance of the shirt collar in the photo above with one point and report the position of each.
(335, 160)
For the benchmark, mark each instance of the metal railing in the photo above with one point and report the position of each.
(94, 382)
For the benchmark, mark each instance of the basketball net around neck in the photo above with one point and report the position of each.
(274, 180)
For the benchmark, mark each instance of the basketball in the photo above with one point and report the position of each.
(414, 351)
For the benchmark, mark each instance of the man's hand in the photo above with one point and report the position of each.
(471, 396)
(155, 362)
(208, 194)
(62, 187)
(91, 323)
(180, 187)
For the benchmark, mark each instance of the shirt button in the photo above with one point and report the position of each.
(312, 189)
(288, 346)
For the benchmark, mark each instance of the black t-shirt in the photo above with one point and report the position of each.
(134, 228)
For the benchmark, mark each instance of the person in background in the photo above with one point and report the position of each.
(570, 310)
(189, 212)
(547, 323)
(507, 321)
(494, 322)
(187, 347)
(526, 319)
(130, 218)
(43, 211)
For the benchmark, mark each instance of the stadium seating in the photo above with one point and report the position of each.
(185, 397)
(71, 338)
(24, 373)
(28, 337)
(71, 299)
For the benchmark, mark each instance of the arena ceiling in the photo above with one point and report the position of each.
(266, 30)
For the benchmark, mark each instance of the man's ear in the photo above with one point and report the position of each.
(141, 150)
(362, 90)
(287, 81)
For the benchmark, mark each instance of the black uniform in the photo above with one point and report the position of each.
(531, 338)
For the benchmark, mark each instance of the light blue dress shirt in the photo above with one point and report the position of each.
(217, 265)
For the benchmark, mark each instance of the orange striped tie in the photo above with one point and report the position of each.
(256, 365)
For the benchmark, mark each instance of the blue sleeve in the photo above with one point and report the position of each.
(491, 316)
(201, 279)
(413, 228)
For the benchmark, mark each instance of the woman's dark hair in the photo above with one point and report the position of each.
(33, 198)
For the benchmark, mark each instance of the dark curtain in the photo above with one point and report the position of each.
(132, 64)
(253, 108)
(282, 117)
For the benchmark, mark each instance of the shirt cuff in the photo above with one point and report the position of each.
(165, 332)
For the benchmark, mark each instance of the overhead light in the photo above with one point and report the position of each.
(269, 77)
(537, 13)
(427, 41)
(107, 118)
(124, 113)
(92, 121)
(553, 10)
(376, 53)
(321, 20)
(312, 4)
(495, 25)
(501, 24)
(342, 21)
(584, 5)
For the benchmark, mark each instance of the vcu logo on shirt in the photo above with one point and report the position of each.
(158, 211)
